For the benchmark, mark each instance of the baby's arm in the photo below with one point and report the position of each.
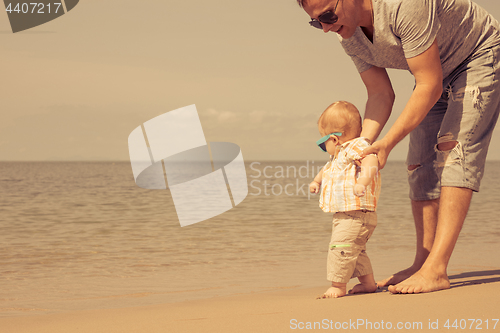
(369, 169)
(316, 183)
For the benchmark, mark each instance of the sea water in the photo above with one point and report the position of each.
(82, 235)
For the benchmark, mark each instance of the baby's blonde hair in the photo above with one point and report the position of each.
(342, 117)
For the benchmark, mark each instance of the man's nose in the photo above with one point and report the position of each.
(326, 27)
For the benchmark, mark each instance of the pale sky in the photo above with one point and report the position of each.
(74, 88)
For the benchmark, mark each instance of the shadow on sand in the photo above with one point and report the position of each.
(467, 279)
(477, 277)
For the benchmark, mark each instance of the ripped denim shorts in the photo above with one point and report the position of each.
(465, 114)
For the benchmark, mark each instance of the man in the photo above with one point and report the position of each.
(451, 48)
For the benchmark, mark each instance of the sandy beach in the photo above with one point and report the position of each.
(81, 261)
(471, 303)
(84, 249)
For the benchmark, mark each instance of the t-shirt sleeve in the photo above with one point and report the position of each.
(361, 65)
(356, 148)
(352, 49)
(417, 25)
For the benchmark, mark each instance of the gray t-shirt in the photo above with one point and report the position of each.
(406, 28)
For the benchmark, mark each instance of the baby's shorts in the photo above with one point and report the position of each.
(347, 256)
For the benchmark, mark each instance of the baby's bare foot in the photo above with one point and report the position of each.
(333, 292)
(363, 288)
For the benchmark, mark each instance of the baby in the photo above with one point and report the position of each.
(349, 186)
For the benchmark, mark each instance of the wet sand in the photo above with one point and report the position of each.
(471, 303)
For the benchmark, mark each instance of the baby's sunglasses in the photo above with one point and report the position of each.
(327, 17)
(321, 142)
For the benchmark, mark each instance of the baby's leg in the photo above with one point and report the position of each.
(336, 290)
(367, 285)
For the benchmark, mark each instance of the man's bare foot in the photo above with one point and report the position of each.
(363, 288)
(421, 282)
(398, 277)
(333, 292)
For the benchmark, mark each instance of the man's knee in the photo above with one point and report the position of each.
(413, 167)
(446, 142)
(449, 150)
(449, 145)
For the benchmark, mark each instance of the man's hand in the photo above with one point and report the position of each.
(379, 148)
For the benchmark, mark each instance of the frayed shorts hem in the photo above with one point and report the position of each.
(426, 198)
(470, 186)
(473, 187)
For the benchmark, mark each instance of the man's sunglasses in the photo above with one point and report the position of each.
(321, 142)
(327, 17)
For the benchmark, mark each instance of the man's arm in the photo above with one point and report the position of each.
(428, 73)
(379, 104)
